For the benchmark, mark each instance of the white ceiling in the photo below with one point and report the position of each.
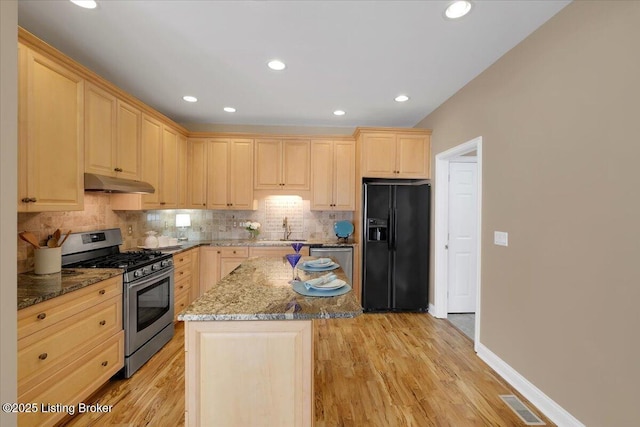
(350, 55)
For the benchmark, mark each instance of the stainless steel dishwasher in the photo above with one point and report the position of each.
(342, 254)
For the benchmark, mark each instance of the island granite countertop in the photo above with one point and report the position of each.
(36, 288)
(259, 290)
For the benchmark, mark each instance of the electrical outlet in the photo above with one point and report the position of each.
(130, 230)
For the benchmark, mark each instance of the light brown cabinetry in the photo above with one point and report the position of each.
(51, 135)
(112, 135)
(68, 347)
(169, 169)
(151, 161)
(197, 173)
(209, 267)
(333, 175)
(230, 258)
(229, 174)
(234, 364)
(183, 181)
(394, 153)
(282, 164)
(185, 279)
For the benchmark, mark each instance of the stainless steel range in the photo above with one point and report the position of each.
(148, 290)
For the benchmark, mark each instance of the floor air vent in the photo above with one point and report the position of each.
(521, 410)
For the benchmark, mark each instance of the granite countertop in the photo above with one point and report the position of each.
(185, 246)
(259, 290)
(35, 288)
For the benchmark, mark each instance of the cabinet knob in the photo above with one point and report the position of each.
(118, 169)
(41, 316)
(163, 203)
(102, 292)
(43, 356)
(103, 322)
(105, 363)
(29, 200)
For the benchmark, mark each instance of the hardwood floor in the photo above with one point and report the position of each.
(375, 370)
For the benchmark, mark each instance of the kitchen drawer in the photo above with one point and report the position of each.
(75, 382)
(182, 272)
(48, 350)
(183, 258)
(233, 251)
(37, 317)
(181, 286)
(181, 301)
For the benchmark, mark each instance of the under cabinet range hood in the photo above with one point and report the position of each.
(110, 184)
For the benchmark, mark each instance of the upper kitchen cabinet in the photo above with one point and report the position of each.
(51, 135)
(197, 173)
(183, 180)
(229, 178)
(394, 153)
(282, 164)
(112, 135)
(151, 160)
(333, 175)
(169, 169)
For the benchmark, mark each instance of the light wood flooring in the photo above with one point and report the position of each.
(375, 370)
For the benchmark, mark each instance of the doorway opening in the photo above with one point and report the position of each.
(445, 222)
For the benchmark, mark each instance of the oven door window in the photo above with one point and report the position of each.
(153, 303)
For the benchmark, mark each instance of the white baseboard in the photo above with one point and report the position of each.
(544, 403)
(432, 310)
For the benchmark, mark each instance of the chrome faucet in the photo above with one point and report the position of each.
(287, 228)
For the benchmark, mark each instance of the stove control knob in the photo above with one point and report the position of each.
(164, 263)
(137, 273)
(154, 267)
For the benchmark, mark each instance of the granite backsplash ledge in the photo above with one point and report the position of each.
(205, 224)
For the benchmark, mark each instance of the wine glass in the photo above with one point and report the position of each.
(297, 246)
(293, 261)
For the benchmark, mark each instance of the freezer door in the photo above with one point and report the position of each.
(410, 230)
(376, 277)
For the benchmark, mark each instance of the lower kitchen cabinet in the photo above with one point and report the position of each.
(68, 347)
(186, 277)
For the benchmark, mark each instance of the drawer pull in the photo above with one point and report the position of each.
(181, 273)
(103, 322)
(43, 356)
(105, 363)
(41, 316)
(102, 292)
(181, 286)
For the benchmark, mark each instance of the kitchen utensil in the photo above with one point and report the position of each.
(52, 242)
(65, 238)
(30, 238)
(57, 234)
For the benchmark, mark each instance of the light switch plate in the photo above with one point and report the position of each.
(501, 238)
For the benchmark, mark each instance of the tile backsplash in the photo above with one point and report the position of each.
(205, 224)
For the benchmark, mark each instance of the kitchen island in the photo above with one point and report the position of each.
(249, 347)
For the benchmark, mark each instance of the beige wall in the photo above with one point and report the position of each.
(560, 120)
(8, 194)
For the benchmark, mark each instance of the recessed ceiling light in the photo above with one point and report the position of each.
(190, 98)
(276, 64)
(401, 98)
(458, 9)
(229, 109)
(87, 4)
(339, 113)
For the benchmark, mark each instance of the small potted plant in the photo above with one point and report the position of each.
(253, 228)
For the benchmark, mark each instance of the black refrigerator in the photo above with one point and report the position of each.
(396, 245)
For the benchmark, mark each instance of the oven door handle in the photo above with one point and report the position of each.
(150, 279)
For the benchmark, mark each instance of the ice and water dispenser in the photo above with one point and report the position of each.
(377, 230)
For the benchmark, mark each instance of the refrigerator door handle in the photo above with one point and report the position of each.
(390, 230)
(395, 229)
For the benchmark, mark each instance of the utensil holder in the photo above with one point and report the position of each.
(48, 260)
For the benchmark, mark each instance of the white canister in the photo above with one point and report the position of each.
(151, 241)
(173, 241)
(48, 260)
(163, 241)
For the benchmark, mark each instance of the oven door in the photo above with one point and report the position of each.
(148, 308)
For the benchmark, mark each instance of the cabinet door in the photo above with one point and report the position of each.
(195, 276)
(182, 171)
(51, 152)
(322, 181)
(209, 268)
(128, 141)
(99, 131)
(268, 164)
(169, 174)
(296, 164)
(197, 174)
(217, 174)
(344, 176)
(413, 156)
(379, 155)
(240, 190)
(151, 152)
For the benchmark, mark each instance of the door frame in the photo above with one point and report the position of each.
(442, 160)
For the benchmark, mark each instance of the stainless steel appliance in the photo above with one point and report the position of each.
(343, 255)
(395, 248)
(148, 290)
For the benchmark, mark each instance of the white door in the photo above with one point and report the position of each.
(462, 256)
